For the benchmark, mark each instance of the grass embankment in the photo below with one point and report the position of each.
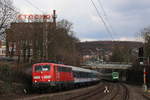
(13, 81)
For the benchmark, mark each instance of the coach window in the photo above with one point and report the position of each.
(77, 74)
(82, 74)
(74, 74)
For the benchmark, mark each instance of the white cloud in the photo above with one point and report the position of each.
(87, 39)
(128, 39)
(26, 10)
(127, 17)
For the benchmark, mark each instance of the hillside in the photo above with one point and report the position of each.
(105, 48)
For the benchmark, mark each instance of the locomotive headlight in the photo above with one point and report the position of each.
(36, 77)
(48, 76)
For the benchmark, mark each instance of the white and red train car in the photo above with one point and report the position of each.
(59, 75)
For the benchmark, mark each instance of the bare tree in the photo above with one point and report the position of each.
(63, 44)
(7, 15)
(145, 33)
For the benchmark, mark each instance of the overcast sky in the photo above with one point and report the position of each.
(127, 17)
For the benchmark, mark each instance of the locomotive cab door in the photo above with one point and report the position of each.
(57, 75)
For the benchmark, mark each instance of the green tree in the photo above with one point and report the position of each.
(121, 54)
(117, 55)
(62, 44)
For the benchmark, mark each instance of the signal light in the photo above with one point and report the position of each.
(141, 56)
(141, 52)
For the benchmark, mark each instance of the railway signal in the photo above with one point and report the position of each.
(141, 56)
(143, 61)
(141, 52)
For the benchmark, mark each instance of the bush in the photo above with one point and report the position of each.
(12, 80)
(5, 73)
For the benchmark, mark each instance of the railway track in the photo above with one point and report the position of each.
(64, 95)
(92, 95)
(121, 93)
(117, 91)
(147, 98)
(126, 92)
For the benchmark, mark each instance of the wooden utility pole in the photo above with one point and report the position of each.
(45, 34)
(45, 38)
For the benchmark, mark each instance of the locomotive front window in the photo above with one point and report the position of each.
(42, 68)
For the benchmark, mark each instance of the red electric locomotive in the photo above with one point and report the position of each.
(59, 75)
(50, 74)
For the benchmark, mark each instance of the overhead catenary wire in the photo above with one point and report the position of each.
(102, 19)
(106, 17)
(100, 3)
(34, 6)
(37, 8)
